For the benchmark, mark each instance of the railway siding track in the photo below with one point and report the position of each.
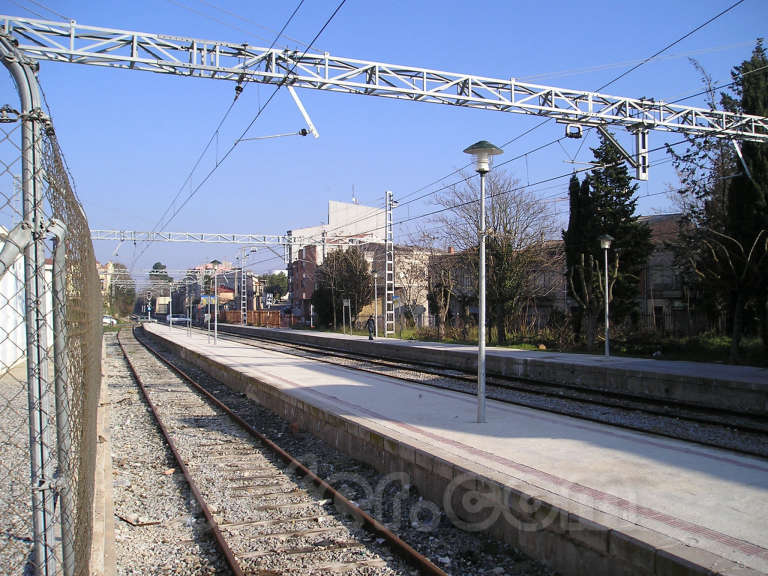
(268, 513)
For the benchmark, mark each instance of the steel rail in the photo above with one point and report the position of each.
(218, 536)
(398, 545)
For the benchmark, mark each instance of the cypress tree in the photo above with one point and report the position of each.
(615, 204)
(604, 203)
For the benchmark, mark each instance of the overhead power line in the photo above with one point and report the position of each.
(528, 186)
(251, 123)
(615, 79)
(161, 223)
(668, 46)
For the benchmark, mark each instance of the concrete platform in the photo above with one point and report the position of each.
(742, 389)
(582, 497)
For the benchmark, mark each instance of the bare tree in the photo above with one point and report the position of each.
(344, 274)
(517, 246)
(440, 276)
(411, 265)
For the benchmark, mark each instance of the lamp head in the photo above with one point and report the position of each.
(605, 241)
(483, 151)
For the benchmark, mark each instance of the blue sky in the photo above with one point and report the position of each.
(131, 138)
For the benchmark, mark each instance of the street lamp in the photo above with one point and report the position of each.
(482, 152)
(376, 303)
(605, 244)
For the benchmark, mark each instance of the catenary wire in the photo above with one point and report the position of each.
(625, 73)
(214, 135)
(522, 187)
(720, 86)
(612, 65)
(27, 9)
(546, 120)
(254, 23)
(188, 8)
(253, 120)
(214, 138)
(376, 211)
(551, 199)
(671, 44)
(48, 9)
(659, 52)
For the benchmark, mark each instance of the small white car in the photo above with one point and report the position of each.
(108, 321)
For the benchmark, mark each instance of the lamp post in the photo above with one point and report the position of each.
(605, 244)
(482, 152)
(376, 303)
(215, 304)
(170, 305)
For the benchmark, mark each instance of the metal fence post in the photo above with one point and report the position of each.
(61, 382)
(38, 385)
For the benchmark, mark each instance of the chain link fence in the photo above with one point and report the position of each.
(50, 345)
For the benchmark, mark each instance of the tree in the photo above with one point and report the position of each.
(604, 203)
(343, 275)
(725, 202)
(748, 196)
(158, 273)
(580, 265)
(122, 291)
(704, 169)
(441, 274)
(411, 265)
(519, 226)
(275, 284)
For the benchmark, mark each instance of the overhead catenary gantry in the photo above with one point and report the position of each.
(288, 241)
(167, 54)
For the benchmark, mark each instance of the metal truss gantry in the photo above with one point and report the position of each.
(287, 240)
(167, 54)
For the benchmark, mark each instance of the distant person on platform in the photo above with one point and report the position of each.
(371, 325)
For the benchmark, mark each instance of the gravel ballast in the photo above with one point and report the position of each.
(158, 527)
(419, 522)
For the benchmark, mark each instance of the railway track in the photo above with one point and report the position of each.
(710, 427)
(268, 513)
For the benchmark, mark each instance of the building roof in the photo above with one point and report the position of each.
(664, 227)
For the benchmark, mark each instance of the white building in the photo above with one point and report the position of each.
(346, 221)
(13, 333)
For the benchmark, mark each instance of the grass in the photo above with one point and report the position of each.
(703, 348)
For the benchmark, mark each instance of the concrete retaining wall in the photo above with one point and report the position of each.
(573, 539)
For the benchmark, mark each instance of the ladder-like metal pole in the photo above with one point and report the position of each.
(389, 268)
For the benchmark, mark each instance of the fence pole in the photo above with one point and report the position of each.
(41, 462)
(61, 384)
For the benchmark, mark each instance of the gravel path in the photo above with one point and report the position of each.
(158, 529)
